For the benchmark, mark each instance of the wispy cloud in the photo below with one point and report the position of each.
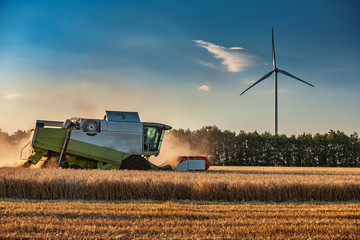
(12, 96)
(247, 81)
(205, 88)
(207, 64)
(236, 59)
(337, 69)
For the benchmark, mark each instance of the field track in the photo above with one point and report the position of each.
(169, 220)
(232, 184)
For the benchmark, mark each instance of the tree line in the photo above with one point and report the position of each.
(332, 149)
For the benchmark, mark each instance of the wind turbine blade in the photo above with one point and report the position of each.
(273, 48)
(290, 75)
(261, 79)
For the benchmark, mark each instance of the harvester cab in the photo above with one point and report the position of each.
(119, 141)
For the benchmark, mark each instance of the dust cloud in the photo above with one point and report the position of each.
(173, 147)
(10, 146)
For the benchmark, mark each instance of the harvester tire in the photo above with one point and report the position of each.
(74, 166)
(136, 163)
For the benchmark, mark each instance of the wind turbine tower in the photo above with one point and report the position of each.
(275, 71)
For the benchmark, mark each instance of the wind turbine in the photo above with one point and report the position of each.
(275, 71)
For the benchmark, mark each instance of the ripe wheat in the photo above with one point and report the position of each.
(76, 220)
(221, 184)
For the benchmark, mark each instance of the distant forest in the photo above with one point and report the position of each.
(226, 148)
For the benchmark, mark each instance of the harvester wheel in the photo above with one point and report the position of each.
(74, 166)
(136, 163)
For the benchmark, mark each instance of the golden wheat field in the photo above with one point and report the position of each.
(223, 203)
(169, 220)
(219, 184)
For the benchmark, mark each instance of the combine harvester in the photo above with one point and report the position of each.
(119, 141)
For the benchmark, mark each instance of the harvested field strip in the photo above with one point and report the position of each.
(236, 185)
(76, 220)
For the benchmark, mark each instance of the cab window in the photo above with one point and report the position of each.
(151, 138)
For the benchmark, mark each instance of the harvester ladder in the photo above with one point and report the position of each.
(66, 142)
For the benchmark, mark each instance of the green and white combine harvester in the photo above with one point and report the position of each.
(119, 141)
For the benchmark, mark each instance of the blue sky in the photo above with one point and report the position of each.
(183, 63)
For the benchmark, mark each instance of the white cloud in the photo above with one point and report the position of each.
(236, 59)
(207, 64)
(205, 88)
(12, 96)
(247, 81)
